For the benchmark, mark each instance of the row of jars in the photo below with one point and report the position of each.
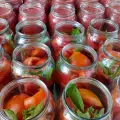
(59, 12)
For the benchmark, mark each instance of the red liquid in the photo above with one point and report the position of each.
(62, 14)
(32, 13)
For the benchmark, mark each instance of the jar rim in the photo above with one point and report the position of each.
(21, 81)
(72, 23)
(39, 1)
(41, 45)
(31, 5)
(65, 6)
(24, 23)
(93, 21)
(93, 5)
(95, 83)
(87, 48)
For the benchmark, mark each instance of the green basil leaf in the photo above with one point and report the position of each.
(75, 31)
(117, 72)
(99, 113)
(90, 110)
(75, 96)
(84, 115)
(11, 115)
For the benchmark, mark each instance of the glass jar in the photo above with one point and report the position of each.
(66, 71)
(44, 71)
(22, 87)
(15, 4)
(99, 30)
(108, 63)
(6, 12)
(60, 13)
(88, 11)
(25, 35)
(44, 3)
(65, 113)
(62, 36)
(32, 11)
(116, 100)
(6, 37)
(72, 2)
(5, 69)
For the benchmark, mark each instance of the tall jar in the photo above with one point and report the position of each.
(44, 3)
(66, 71)
(33, 60)
(31, 31)
(22, 90)
(64, 34)
(99, 30)
(32, 11)
(6, 12)
(72, 2)
(108, 67)
(15, 4)
(6, 37)
(65, 113)
(5, 69)
(116, 103)
(88, 11)
(60, 13)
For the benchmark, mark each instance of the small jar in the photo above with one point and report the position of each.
(108, 63)
(15, 4)
(44, 71)
(32, 11)
(23, 87)
(25, 35)
(65, 113)
(6, 12)
(44, 3)
(88, 11)
(60, 13)
(5, 69)
(65, 71)
(99, 30)
(116, 100)
(72, 2)
(62, 36)
(6, 37)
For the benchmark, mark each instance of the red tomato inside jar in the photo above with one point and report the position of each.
(26, 98)
(99, 31)
(33, 60)
(85, 99)
(75, 60)
(66, 32)
(32, 11)
(6, 12)
(88, 11)
(60, 13)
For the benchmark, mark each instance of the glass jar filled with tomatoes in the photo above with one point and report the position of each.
(72, 2)
(5, 68)
(6, 37)
(28, 31)
(6, 12)
(66, 32)
(44, 3)
(99, 30)
(85, 99)
(32, 11)
(33, 60)
(108, 66)
(26, 99)
(88, 11)
(75, 60)
(60, 12)
(116, 100)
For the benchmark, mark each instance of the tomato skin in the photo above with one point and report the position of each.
(16, 104)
